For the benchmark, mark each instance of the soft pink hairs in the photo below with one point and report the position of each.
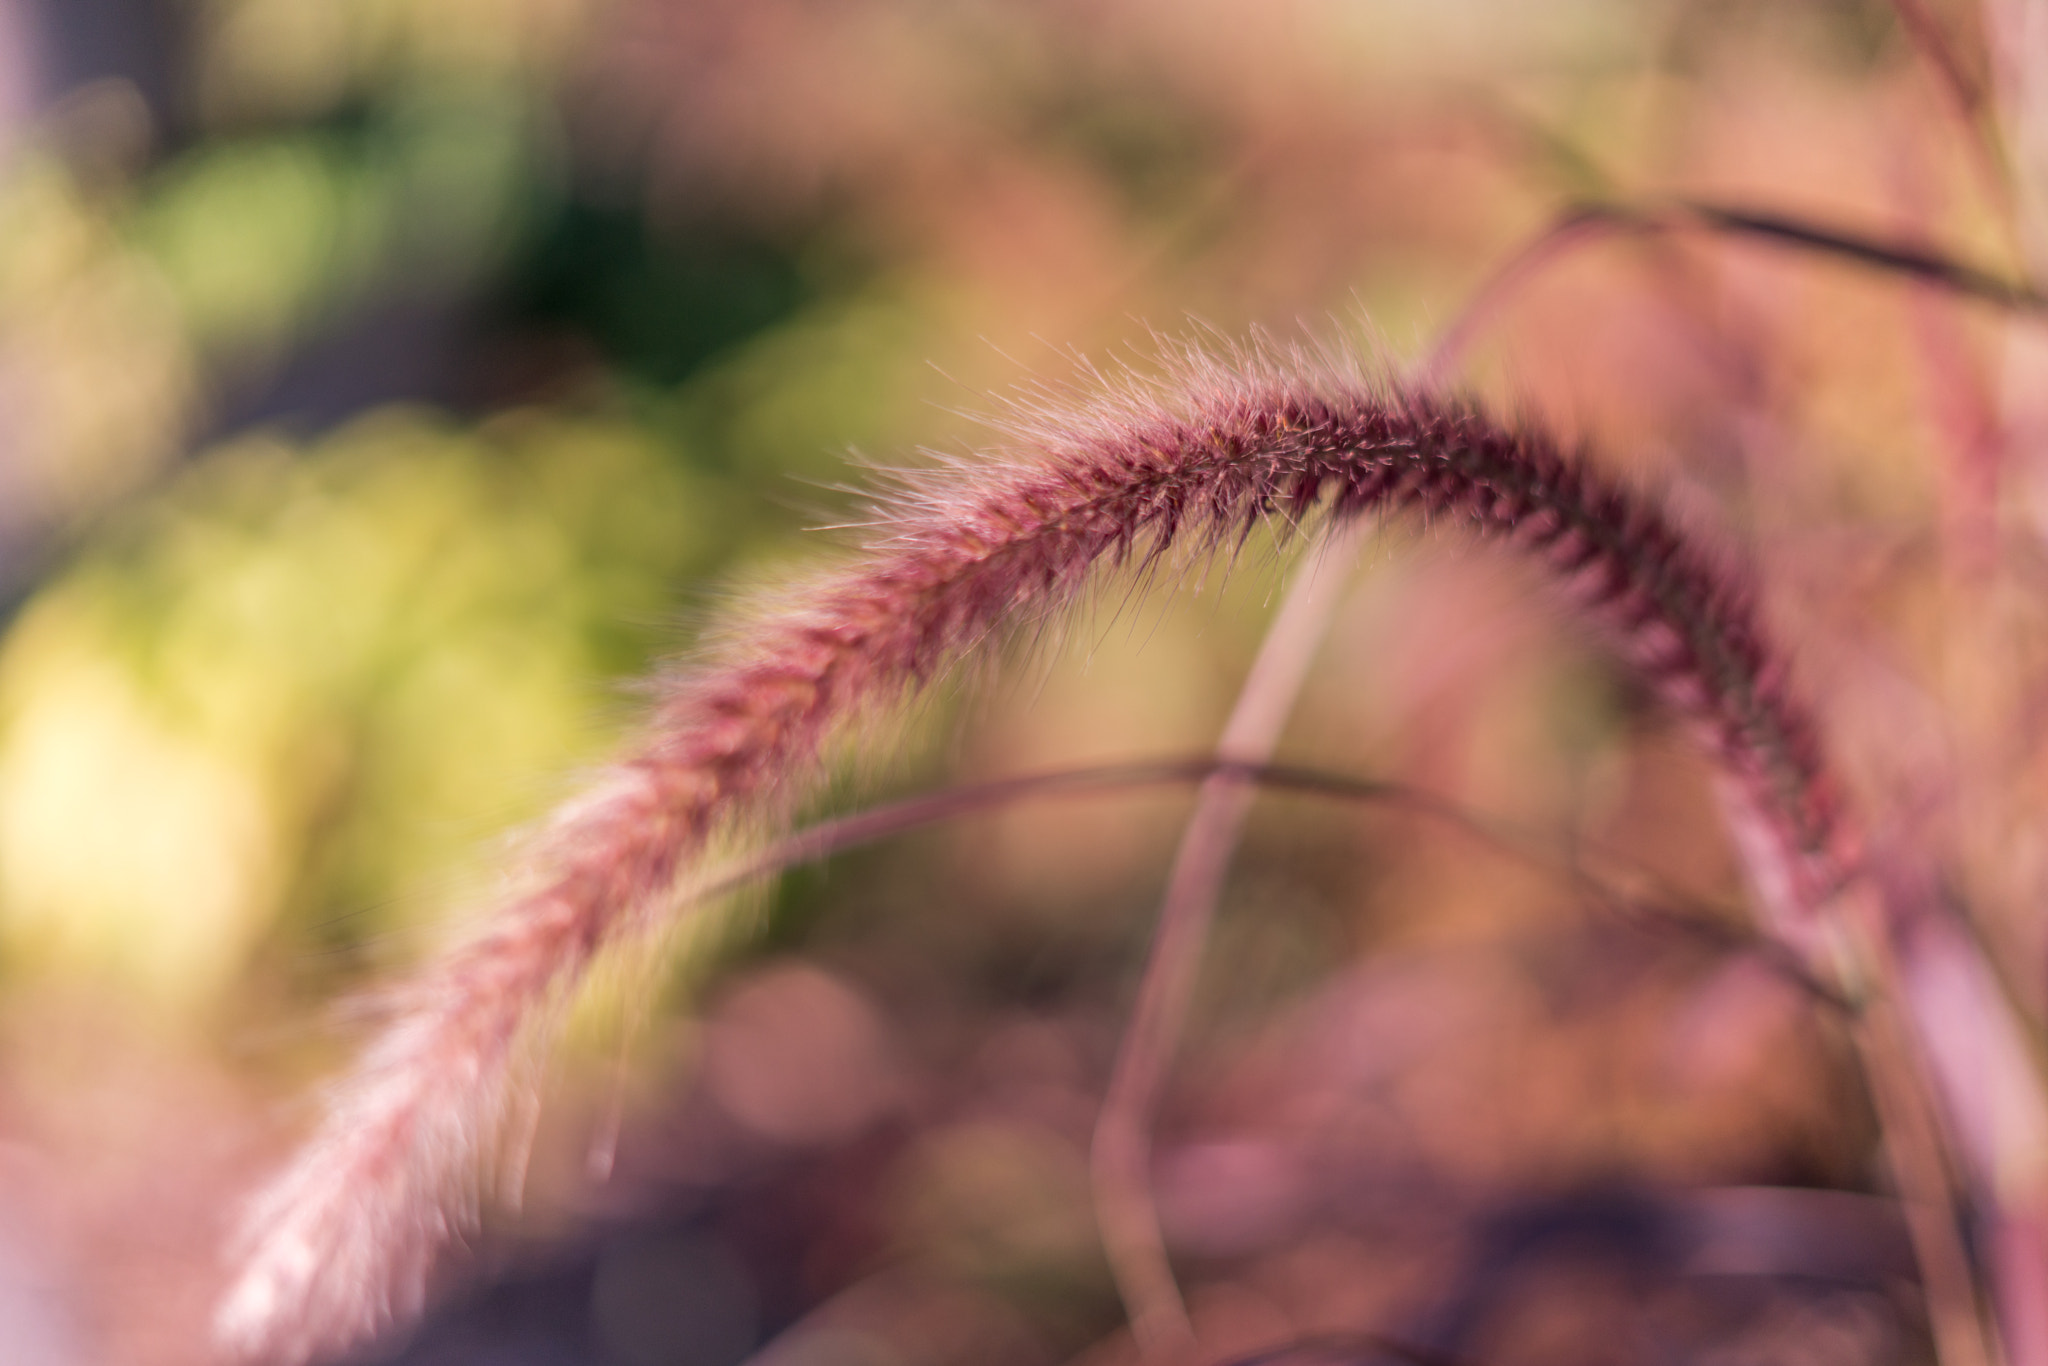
(343, 1241)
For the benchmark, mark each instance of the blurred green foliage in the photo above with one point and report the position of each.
(273, 695)
(262, 237)
(331, 672)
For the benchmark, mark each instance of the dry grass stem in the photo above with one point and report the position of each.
(1120, 1156)
(1606, 880)
(1587, 223)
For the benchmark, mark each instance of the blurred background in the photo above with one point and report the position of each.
(387, 386)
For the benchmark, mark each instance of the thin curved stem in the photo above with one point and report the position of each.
(1582, 224)
(1120, 1156)
(1965, 96)
(1899, 258)
(1143, 1058)
(1603, 877)
(1914, 1149)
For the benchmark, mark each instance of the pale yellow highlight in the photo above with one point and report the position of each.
(127, 852)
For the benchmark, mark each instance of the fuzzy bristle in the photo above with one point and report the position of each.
(344, 1241)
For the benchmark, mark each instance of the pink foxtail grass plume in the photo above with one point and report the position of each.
(343, 1242)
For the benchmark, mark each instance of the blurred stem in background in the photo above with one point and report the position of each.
(374, 376)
